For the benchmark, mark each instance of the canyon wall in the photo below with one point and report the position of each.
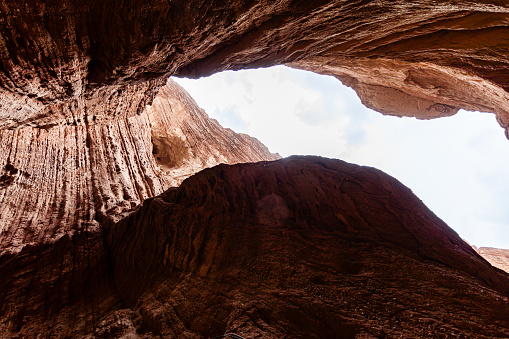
(300, 247)
(66, 178)
(91, 131)
(496, 256)
(84, 74)
(61, 184)
(419, 58)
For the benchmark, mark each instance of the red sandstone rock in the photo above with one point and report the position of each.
(186, 140)
(83, 142)
(302, 247)
(496, 256)
(58, 187)
(63, 179)
(418, 58)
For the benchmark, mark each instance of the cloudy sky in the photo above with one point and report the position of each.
(459, 166)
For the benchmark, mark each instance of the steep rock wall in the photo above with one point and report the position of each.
(496, 256)
(186, 140)
(82, 73)
(61, 184)
(83, 141)
(300, 247)
(66, 178)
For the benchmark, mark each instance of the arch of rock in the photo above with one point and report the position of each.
(84, 137)
(62, 59)
(84, 73)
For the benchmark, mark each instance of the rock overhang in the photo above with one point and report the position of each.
(78, 81)
(61, 59)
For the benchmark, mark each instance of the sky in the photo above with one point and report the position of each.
(458, 166)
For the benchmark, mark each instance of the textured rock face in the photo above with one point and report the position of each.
(63, 179)
(90, 128)
(302, 247)
(422, 90)
(61, 184)
(186, 140)
(496, 256)
(418, 58)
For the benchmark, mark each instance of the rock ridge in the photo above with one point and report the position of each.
(286, 248)
(496, 256)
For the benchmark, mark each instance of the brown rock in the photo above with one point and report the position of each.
(419, 58)
(67, 178)
(421, 90)
(302, 247)
(84, 140)
(186, 140)
(60, 185)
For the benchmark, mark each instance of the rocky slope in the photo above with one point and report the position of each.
(302, 247)
(495, 256)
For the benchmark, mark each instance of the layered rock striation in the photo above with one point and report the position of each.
(62, 179)
(90, 128)
(419, 58)
(185, 140)
(61, 184)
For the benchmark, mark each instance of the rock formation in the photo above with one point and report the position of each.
(62, 183)
(62, 179)
(495, 256)
(90, 128)
(185, 140)
(301, 247)
(423, 58)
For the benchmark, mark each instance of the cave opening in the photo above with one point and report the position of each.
(458, 166)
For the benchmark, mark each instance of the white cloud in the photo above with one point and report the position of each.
(459, 166)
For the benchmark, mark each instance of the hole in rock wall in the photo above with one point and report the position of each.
(459, 166)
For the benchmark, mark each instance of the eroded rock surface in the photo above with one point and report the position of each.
(85, 139)
(419, 58)
(58, 187)
(302, 247)
(186, 140)
(67, 178)
(420, 89)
